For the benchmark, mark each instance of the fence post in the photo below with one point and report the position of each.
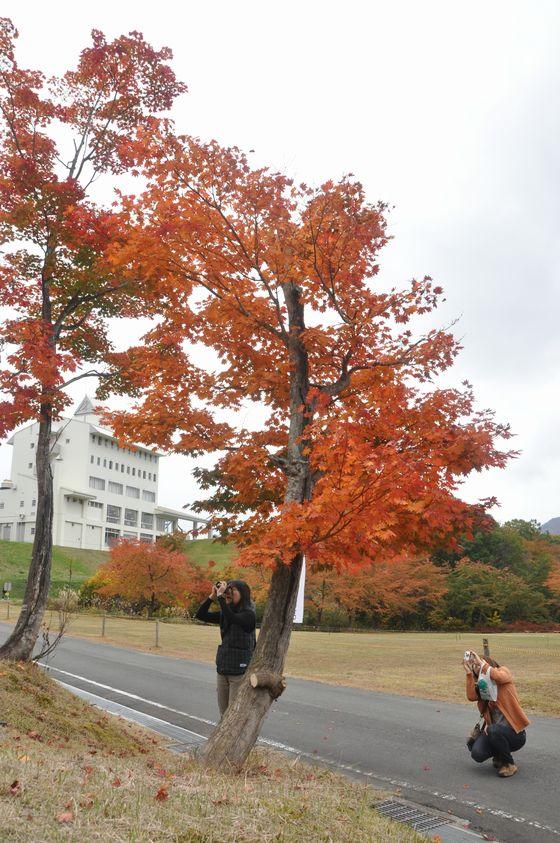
(157, 633)
(103, 625)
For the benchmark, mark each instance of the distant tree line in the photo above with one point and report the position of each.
(503, 577)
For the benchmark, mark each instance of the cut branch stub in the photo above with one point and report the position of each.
(274, 683)
(485, 648)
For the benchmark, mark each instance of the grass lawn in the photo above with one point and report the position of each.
(70, 772)
(74, 565)
(415, 664)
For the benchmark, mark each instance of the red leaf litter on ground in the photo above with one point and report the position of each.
(162, 794)
(15, 788)
(65, 817)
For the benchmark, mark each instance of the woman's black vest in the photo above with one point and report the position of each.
(236, 649)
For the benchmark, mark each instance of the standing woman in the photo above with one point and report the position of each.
(237, 627)
(505, 720)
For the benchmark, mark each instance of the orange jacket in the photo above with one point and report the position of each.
(507, 702)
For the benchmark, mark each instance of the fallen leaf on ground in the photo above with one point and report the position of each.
(162, 795)
(116, 782)
(65, 817)
(15, 788)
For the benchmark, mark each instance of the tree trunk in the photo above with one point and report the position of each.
(237, 732)
(21, 642)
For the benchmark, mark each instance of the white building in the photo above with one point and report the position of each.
(102, 492)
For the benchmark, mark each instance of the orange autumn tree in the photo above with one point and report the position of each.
(395, 590)
(57, 278)
(270, 301)
(147, 572)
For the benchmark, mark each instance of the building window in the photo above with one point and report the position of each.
(113, 514)
(132, 492)
(122, 468)
(116, 466)
(147, 521)
(111, 536)
(67, 441)
(155, 478)
(32, 445)
(110, 463)
(33, 503)
(99, 440)
(149, 475)
(91, 458)
(21, 503)
(148, 496)
(143, 475)
(95, 504)
(115, 488)
(98, 460)
(133, 536)
(1, 504)
(104, 463)
(33, 531)
(131, 517)
(161, 524)
(146, 537)
(128, 469)
(96, 483)
(29, 465)
(134, 472)
(106, 442)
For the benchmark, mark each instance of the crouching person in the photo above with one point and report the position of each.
(503, 733)
(236, 617)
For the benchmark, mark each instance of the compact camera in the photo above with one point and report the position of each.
(467, 655)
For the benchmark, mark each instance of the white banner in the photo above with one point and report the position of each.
(298, 614)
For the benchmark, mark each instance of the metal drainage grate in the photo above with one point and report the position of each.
(418, 820)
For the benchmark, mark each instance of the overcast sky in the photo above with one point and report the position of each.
(450, 112)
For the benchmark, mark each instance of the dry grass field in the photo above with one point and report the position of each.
(399, 663)
(68, 772)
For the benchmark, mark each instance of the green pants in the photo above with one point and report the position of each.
(228, 687)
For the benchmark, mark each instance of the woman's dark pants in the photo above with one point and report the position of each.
(498, 740)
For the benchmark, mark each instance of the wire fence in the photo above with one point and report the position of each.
(107, 624)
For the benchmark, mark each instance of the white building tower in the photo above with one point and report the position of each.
(102, 492)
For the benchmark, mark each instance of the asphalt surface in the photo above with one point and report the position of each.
(413, 747)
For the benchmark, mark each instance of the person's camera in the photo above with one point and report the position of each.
(467, 655)
(217, 583)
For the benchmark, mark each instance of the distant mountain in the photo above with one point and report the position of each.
(552, 527)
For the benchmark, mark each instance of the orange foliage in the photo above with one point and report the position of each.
(553, 581)
(141, 571)
(59, 280)
(392, 590)
(360, 454)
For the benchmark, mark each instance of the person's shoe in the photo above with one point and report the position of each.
(497, 762)
(507, 770)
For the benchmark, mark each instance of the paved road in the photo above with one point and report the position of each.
(411, 745)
